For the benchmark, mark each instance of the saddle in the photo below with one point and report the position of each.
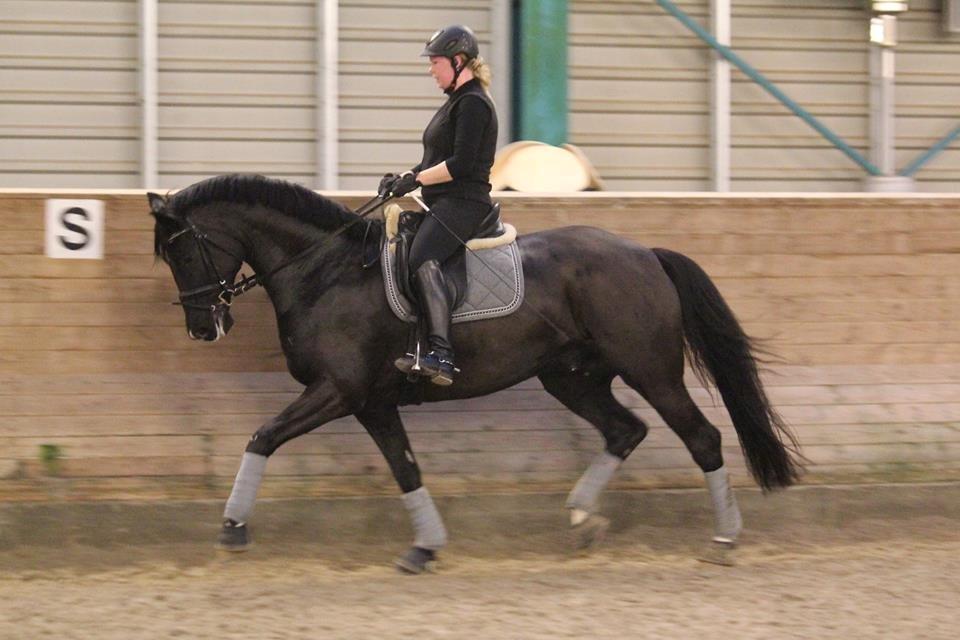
(484, 282)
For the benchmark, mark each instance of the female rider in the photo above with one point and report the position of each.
(459, 145)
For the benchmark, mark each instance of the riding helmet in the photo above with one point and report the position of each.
(452, 40)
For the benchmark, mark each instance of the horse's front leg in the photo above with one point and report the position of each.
(318, 404)
(385, 427)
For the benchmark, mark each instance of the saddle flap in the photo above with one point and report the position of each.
(488, 283)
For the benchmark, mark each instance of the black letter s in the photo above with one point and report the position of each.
(73, 246)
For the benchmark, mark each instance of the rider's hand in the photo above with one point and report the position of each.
(386, 184)
(405, 184)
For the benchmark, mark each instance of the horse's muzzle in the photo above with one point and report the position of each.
(221, 325)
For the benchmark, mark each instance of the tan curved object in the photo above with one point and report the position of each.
(498, 173)
(596, 182)
(535, 167)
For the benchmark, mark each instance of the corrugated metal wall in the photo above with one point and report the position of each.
(386, 95)
(68, 93)
(928, 98)
(817, 53)
(237, 86)
(639, 89)
(638, 95)
(237, 89)
(238, 83)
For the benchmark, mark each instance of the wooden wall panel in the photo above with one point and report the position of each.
(856, 294)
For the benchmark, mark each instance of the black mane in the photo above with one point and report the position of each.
(289, 198)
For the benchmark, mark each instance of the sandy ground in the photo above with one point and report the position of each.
(813, 566)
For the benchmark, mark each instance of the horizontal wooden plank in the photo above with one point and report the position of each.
(204, 358)
(195, 359)
(868, 354)
(427, 438)
(720, 217)
(865, 333)
(39, 266)
(174, 383)
(363, 464)
(768, 309)
(861, 288)
(467, 462)
(149, 383)
(257, 333)
(124, 243)
(107, 289)
(159, 400)
(549, 430)
(192, 487)
(157, 312)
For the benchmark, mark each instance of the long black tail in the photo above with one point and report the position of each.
(719, 350)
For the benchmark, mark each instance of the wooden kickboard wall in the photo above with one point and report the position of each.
(103, 396)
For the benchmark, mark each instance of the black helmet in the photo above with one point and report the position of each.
(452, 40)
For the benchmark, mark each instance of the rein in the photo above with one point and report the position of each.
(367, 208)
(228, 292)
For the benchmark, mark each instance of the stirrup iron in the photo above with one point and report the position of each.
(416, 360)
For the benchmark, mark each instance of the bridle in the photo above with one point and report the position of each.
(227, 293)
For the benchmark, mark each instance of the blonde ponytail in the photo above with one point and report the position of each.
(481, 71)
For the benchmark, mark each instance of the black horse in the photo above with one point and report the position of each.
(597, 306)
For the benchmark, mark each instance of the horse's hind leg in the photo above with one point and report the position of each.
(672, 401)
(587, 393)
(384, 425)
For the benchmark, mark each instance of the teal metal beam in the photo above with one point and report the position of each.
(930, 153)
(757, 77)
(542, 86)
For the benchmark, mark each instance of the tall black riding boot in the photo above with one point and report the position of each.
(435, 305)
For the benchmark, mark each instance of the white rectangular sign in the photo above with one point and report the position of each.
(74, 229)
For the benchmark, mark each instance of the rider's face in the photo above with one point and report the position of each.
(441, 70)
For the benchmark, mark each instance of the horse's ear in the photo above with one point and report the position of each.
(158, 204)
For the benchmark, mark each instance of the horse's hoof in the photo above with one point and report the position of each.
(416, 561)
(589, 533)
(233, 537)
(719, 552)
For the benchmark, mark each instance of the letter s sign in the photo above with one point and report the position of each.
(74, 229)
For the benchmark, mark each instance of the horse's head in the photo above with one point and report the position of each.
(204, 263)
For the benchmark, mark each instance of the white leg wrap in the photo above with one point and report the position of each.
(593, 481)
(429, 532)
(726, 513)
(240, 504)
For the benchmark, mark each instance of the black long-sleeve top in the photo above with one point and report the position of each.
(463, 133)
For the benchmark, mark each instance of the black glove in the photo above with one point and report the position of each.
(386, 183)
(405, 184)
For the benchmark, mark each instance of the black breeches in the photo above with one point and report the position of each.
(434, 242)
